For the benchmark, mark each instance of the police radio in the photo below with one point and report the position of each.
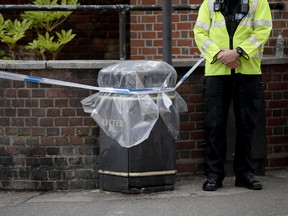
(218, 5)
(244, 6)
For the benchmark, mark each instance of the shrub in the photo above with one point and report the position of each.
(48, 41)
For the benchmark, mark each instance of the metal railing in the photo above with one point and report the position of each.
(122, 10)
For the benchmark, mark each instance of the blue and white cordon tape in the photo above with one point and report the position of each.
(35, 79)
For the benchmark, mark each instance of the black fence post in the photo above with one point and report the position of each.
(167, 31)
(122, 34)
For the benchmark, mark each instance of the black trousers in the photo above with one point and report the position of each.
(245, 92)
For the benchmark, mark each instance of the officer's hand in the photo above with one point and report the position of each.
(227, 56)
(233, 64)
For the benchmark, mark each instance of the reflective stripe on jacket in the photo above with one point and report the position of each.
(251, 34)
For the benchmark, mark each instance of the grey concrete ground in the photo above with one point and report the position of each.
(187, 199)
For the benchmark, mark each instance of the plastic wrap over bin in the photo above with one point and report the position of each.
(129, 118)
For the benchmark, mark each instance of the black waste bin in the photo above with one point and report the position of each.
(149, 165)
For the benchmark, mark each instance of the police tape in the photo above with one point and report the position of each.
(42, 80)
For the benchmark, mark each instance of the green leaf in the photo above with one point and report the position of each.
(65, 37)
(13, 31)
(1, 23)
(48, 20)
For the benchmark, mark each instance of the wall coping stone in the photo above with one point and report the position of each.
(99, 64)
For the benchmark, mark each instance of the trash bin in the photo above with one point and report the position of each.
(147, 167)
(138, 131)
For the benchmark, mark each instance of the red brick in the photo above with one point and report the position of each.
(277, 162)
(137, 43)
(39, 151)
(277, 139)
(175, 34)
(48, 141)
(18, 122)
(23, 93)
(146, 35)
(31, 103)
(61, 122)
(75, 122)
(175, 18)
(184, 42)
(54, 93)
(149, 2)
(68, 112)
(185, 145)
(68, 131)
(197, 154)
(277, 104)
(196, 98)
(157, 42)
(176, 51)
(187, 126)
(148, 19)
(197, 135)
(76, 140)
(280, 24)
(10, 112)
(157, 27)
(186, 168)
(147, 51)
(135, 52)
(53, 112)
(46, 122)
(11, 93)
(38, 112)
(61, 103)
(11, 150)
(46, 103)
(38, 131)
(38, 93)
(277, 121)
(184, 26)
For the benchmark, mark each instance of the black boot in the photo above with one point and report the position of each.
(211, 184)
(249, 182)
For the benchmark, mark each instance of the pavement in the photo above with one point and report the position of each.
(187, 199)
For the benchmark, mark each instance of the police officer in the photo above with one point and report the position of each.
(231, 35)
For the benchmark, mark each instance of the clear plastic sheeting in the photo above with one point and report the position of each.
(129, 118)
(170, 105)
(138, 75)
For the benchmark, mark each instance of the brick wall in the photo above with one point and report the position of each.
(275, 79)
(48, 142)
(190, 146)
(279, 24)
(146, 30)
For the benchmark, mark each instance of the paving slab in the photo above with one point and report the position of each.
(187, 199)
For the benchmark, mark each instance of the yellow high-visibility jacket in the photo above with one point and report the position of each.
(251, 34)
